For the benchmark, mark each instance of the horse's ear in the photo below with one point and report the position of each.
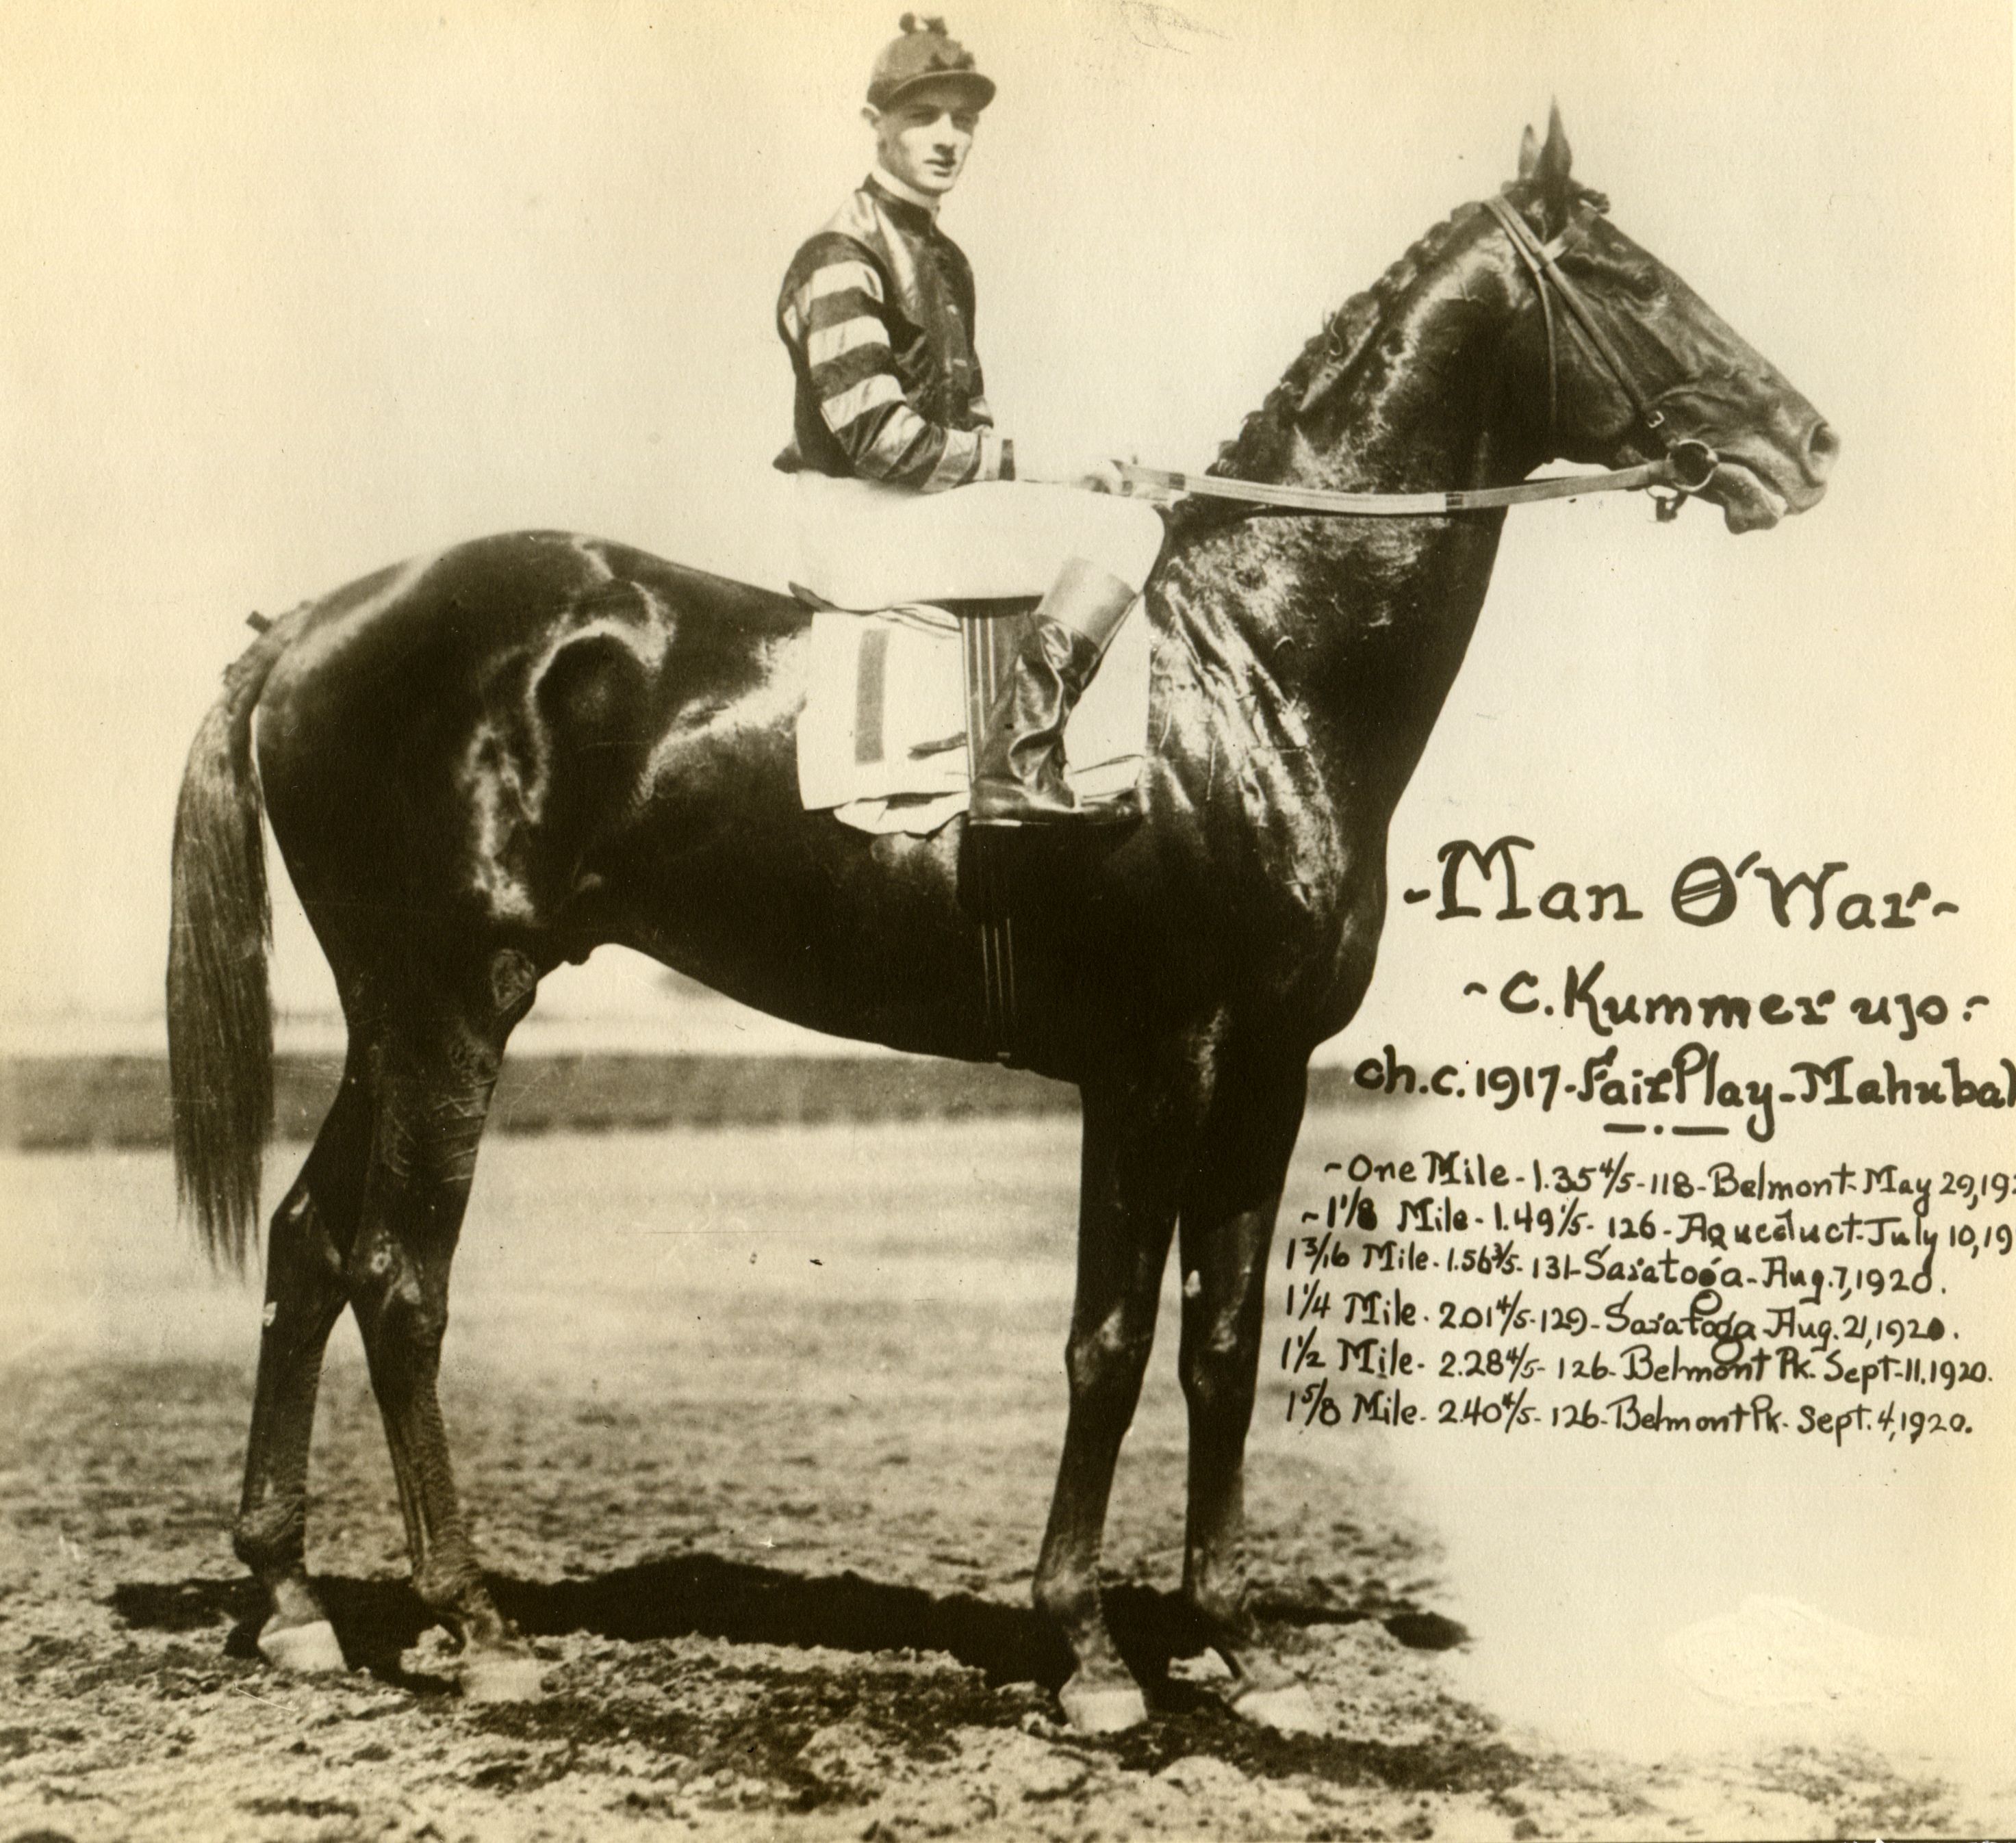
(1550, 168)
(1529, 152)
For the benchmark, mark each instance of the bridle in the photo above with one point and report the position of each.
(1542, 263)
(1683, 467)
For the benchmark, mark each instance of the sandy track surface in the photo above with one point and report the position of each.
(758, 1428)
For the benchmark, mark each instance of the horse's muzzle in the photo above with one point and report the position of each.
(1780, 469)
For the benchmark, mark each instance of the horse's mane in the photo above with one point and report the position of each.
(1260, 449)
(1264, 434)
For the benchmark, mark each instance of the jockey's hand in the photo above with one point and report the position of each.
(1099, 476)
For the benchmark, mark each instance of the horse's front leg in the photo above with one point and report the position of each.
(1228, 1226)
(1136, 1148)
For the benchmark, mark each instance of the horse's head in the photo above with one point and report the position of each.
(1667, 348)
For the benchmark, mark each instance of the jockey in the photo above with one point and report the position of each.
(904, 490)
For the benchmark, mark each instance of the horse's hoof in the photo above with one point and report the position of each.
(309, 1650)
(1109, 1708)
(1291, 1710)
(502, 1677)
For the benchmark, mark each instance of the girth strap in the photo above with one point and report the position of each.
(987, 649)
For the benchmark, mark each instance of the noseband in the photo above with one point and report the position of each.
(1683, 467)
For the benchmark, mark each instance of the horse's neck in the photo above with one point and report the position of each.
(1362, 623)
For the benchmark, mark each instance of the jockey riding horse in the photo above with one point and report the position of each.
(905, 491)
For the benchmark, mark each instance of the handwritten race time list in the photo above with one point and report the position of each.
(1625, 1296)
(1786, 1213)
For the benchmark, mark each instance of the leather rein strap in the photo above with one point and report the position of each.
(1411, 505)
(1682, 468)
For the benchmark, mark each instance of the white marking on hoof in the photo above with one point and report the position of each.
(305, 1650)
(1112, 1709)
(495, 1678)
(1290, 1710)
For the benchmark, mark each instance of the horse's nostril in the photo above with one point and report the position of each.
(1822, 446)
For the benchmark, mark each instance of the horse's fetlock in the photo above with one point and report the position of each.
(1066, 1598)
(271, 1539)
(1217, 1594)
(451, 1586)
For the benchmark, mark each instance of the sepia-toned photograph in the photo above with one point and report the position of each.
(1084, 920)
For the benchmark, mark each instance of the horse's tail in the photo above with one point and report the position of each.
(220, 1012)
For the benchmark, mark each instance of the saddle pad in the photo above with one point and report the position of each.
(882, 737)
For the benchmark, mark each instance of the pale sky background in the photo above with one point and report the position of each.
(292, 292)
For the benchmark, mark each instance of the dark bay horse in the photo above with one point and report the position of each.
(488, 762)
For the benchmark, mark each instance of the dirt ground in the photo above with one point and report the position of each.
(758, 1428)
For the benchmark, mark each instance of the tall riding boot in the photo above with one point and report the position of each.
(1020, 779)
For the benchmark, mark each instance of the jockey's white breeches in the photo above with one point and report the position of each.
(861, 544)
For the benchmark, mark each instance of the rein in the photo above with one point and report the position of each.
(1683, 467)
(1662, 472)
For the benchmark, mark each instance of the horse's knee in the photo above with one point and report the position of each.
(1109, 1359)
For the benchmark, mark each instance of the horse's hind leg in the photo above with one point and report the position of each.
(1227, 1226)
(435, 1065)
(306, 1247)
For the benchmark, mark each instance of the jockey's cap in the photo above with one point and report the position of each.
(924, 52)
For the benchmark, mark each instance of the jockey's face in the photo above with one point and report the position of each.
(924, 139)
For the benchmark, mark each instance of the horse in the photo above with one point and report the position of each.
(487, 762)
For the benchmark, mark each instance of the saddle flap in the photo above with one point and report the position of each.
(881, 739)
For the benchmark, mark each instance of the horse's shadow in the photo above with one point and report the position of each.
(703, 1595)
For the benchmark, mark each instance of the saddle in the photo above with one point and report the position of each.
(897, 702)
